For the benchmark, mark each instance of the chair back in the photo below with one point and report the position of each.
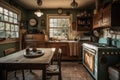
(9, 51)
(59, 57)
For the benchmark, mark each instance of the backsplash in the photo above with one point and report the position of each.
(110, 33)
(80, 35)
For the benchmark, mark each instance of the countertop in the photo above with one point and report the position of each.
(68, 41)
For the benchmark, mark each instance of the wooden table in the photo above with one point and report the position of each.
(17, 61)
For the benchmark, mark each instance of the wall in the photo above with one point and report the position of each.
(44, 16)
(72, 12)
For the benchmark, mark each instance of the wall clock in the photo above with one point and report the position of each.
(33, 22)
(60, 11)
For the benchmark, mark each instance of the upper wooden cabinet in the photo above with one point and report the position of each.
(109, 16)
(35, 40)
(84, 21)
(34, 37)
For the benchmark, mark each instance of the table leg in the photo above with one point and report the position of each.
(44, 73)
(2, 75)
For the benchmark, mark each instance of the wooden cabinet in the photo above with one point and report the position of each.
(57, 45)
(84, 21)
(70, 50)
(35, 40)
(97, 19)
(109, 16)
(35, 44)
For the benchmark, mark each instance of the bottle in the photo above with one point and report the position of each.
(34, 49)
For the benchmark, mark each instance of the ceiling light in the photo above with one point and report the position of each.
(38, 12)
(74, 4)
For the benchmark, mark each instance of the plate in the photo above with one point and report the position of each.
(32, 54)
(96, 33)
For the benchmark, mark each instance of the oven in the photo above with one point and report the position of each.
(89, 59)
(96, 58)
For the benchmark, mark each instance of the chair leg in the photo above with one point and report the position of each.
(30, 71)
(59, 77)
(6, 75)
(15, 74)
(23, 75)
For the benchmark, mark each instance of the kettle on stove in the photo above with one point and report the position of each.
(116, 43)
(106, 41)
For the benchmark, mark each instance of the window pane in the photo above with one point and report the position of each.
(5, 11)
(1, 16)
(51, 20)
(11, 19)
(16, 34)
(1, 10)
(5, 18)
(10, 14)
(8, 34)
(2, 34)
(12, 27)
(51, 32)
(15, 15)
(51, 24)
(2, 27)
(16, 28)
(15, 21)
(13, 35)
(55, 23)
(7, 26)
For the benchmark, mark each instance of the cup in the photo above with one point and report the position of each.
(27, 51)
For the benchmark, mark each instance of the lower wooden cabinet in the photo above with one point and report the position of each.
(63, 46)
(70, 51)
(37, 44)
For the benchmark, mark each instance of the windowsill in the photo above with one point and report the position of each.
(9, 41)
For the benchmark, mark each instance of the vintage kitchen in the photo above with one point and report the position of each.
(80, 37)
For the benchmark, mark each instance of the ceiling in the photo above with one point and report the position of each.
(53, 4)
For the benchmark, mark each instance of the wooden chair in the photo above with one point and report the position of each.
(7, 52)
(55, 69)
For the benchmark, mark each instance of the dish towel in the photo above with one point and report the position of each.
(73, 46)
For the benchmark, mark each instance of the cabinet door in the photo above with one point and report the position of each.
(30, 44)
(106, 14)
(41, 45)
(95, 21)
(63, 46)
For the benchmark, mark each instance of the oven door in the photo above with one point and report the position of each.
(89, 59)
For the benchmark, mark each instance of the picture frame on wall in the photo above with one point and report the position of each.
(42, 22)
(23, 24)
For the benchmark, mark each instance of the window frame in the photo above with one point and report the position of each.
(58, 16)
(10, 8)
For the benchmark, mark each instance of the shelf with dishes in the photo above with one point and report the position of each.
(84, 20)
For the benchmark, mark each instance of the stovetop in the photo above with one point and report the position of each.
(99, 45)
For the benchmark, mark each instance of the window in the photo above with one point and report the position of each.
(59, 27)
(9, 27)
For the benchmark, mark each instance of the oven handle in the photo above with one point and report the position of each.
(92, 51)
